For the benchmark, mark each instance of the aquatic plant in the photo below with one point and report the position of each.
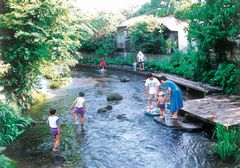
(12, 124)
(5, 162)
(228, 142)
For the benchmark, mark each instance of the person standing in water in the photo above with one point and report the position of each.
(103, 64)
(152, 86)
(54, 123)
(175, 96)
(80, 108)
(161, 104)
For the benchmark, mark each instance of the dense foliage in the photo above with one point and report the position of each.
(99, 37)
(31, 32)
(214, 26)
(162, 7)
(12, 124)
(147, 36)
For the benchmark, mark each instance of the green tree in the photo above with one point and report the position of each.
(99, 36)
(33, 32)
(214, 26)
(162, 7)
(147, 37)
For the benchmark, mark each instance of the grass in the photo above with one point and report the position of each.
(228, 142)
(5, 162)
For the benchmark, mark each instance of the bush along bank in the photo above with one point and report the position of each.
(189, 65)
(227, 143)
(12, 124)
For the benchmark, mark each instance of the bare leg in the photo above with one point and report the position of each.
(75, 117)
(81, 120)
(143, 66)
(175, 115)
(150, 103)
(56, 141)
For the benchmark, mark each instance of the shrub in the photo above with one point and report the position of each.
(55, 84)
(11, 124)
(228, 77)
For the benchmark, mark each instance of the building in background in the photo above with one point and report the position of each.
(176, 31)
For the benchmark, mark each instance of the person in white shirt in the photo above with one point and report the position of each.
(152, 86)
(80, 108)
(140, 58)
(54, 124)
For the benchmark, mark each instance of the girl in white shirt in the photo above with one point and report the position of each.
(80, 108)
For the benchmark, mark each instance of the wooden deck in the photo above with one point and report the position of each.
(205, 88)
(218, 109)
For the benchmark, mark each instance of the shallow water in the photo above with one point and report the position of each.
(121, 137)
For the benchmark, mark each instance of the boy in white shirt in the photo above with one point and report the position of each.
(152, 86)
(80, 108)
(54, 124)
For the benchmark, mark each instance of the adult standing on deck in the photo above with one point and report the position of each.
(175, 96)
(140, 58)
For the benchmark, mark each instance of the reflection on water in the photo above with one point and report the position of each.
(121, 137)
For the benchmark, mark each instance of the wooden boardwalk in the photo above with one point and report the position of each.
(217, 109)
(205, 88)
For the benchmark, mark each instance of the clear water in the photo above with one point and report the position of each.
(122, 137)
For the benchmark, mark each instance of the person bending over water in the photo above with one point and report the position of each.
(175, 96)
(80, 108)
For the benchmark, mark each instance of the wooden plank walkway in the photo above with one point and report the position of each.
(203, 87)
(217, 109)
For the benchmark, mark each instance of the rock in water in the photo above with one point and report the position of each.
(124, 79)
(103, 109)
(114, 97)
(109, 107)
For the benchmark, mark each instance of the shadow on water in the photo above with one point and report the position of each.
(121, 137)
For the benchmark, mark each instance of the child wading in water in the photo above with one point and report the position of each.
(103, 64)
(80, 108)
(161, 104)
(54, 124)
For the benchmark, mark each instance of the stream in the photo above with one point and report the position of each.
(122, 137)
